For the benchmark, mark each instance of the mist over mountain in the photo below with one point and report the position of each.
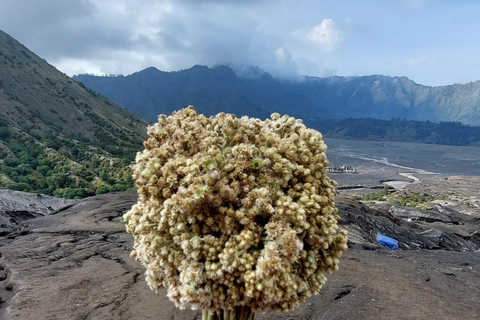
(56, 136)
(250, 91)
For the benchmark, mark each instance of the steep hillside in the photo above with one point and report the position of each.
(256, 93)
(459, 102)
(384, 97)
(152, 92)
(375, 96)
(56, 136)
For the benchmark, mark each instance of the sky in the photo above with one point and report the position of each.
(433, 42)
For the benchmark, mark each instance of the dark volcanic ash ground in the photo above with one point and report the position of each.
(75, 264)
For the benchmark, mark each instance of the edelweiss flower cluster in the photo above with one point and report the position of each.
(234, 211)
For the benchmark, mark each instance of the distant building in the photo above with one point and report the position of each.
(342, 169)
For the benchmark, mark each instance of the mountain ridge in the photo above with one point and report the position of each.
(375, 96)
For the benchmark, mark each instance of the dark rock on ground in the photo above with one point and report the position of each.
(363, 223)
(39, 203)
(76, 265)
(417, 214)
(10, 219)
(16, 206)
(454, 216)
(475, 238)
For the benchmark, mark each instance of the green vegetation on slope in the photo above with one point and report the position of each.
(404, 198)
(60, 167)
(56, 136)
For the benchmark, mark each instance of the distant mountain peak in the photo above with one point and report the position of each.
(248, 72)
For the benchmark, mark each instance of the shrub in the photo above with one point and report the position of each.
(103, 189)
(25, 187)
(11, 162)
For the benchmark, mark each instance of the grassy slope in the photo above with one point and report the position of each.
(50, 121)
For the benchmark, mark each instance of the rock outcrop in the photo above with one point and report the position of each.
(412, 228)
(16, 207)
(12, 201)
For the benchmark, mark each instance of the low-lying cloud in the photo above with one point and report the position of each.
(326, 34)
(285, 38)
(124, 36)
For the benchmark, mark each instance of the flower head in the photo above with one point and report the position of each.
(234, 211)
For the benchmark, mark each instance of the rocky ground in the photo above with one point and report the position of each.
(459, 193)
(75, 264)
(16, 207)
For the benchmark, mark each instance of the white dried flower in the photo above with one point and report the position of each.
(234, 211)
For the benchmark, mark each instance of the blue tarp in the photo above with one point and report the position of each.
(386, 241)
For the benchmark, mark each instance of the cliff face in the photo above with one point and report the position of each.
(459, 103)
(76, 263)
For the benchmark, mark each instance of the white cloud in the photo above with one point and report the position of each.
(422, 61)
(280, 36)
(76, 66)
(124, 36)
(284, 66)
(329, 72)
(325, 34)
(283, 55)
